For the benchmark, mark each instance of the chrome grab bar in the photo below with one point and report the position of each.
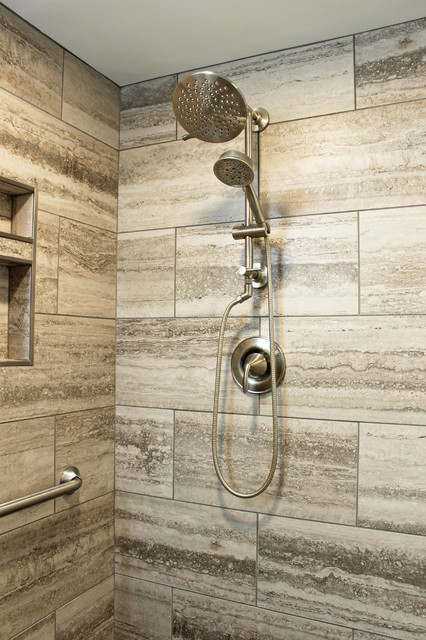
(69, 481)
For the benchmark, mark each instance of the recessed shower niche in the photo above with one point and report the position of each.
(17, 258)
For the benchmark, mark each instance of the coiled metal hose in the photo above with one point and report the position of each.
(274, 460)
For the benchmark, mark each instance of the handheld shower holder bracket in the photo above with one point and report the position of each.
(257, 276)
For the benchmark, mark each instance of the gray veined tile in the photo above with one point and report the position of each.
(31, 63)
(364, 635)
(392, 469)
(196, 616)
(390, 64)
(46, 291)
(27, 458)
(42, 630)
(392, 260)
(297, 83)
(171, 363)
(146, 274)
(36, 149)
(87, 270)
(195, 547)
(90, 616)
(142, 610)
(146, 112)
(173, 184)
(363, 159)
(352, 368)
(86, 440)
(371, 580)
(315, 477)
(144, 451)
(91, 101)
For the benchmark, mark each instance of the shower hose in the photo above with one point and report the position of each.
(274, 460)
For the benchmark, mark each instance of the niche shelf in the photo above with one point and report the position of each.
(18, 210)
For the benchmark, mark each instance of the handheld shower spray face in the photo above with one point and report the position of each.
(210, 107)
(236, 169)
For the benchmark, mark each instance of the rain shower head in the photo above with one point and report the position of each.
(210, 107)
(236, 169)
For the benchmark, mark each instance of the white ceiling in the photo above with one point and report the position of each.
(132, 40)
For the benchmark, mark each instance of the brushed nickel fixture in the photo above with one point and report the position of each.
(211, 108)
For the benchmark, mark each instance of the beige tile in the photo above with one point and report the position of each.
(371, 580)
(46, 291)
(87, 270)
(42, 630)
(49, 562)
(392, 469)
(365, 159)
(73, 369)
(146, 274)
(91, 101)
(354, 368)
(363, 635)
(19, 322)
(297, 83)
(90, 616)
(5, 212)
(4, 310)
(11, 248)
(31, 63)
(315, 476)
(27, 459)
(144, 451)
(146, 112)
(392, 259)
(86, 440)
(193, 547)
(389, 64)
(171, 363)
(173, 184)
(143, 610)
(196, 616)
(76, 175)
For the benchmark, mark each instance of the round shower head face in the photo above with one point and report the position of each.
(234, 169)
(210, 107)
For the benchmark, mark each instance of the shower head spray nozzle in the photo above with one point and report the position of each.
(210, 107)
(236, 169)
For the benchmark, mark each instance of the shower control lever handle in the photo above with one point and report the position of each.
(255, 364)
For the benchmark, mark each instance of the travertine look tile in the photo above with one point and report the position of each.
(314, 265)
(31, 64)
(76, 175)
(90, 616)
(11, 248)
(73, 369)
(392, 468)
(171, 363)
(27, 455)
(87, 270)
(146, 274)
(173, 184)
(42, 630)
(392, 260)
(49, 562)
(353, 368)
(4, 310)
(389, 64)
(369, 579)
(46, 291)
(91, 101)
(86, 440)
(142, 610)
(364, 635)
(146, 112)
(5, 211)
(144, 451)
(296, 83)
(315, 477)
(358, 160)
(188, 546)
(196, 616)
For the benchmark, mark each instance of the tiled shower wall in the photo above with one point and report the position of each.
(59, 131)
(334, 548)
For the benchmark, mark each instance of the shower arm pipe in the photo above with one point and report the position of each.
(70, 481)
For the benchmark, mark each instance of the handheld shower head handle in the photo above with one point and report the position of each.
(255, 206)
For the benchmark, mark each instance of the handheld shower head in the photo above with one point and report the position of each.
(210, 107)
(236, 169)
